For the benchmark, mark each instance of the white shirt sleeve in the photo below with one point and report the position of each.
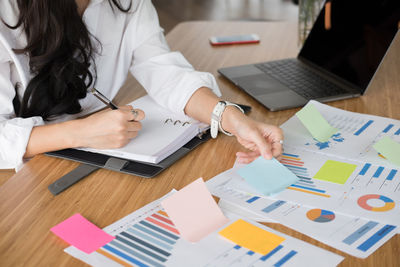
(14, 132)
(166, 76)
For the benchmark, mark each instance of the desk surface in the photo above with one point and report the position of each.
(28, 210)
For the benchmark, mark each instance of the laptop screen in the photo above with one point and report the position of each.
(351, 41)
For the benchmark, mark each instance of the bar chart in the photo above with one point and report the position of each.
(305, 184)
(356, 236)
(376, 177)
(146, 243)
(148, 237)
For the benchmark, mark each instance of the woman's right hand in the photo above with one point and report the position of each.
(110, 128)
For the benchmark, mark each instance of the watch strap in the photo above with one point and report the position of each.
(216, 117)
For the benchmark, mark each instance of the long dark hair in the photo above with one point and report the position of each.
(60, 53)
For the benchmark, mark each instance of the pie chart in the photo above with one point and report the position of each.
(320, 216)
(388, 203)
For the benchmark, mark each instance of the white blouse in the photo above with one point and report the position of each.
(130, 41)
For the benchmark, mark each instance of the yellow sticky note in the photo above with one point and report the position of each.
(251, 237)
(335, 171)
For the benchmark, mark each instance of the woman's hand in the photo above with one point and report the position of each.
(260, 138)
(110, 128)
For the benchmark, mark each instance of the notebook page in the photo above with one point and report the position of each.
(163, 132)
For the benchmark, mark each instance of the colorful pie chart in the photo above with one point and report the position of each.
(389, 204)
(320, 216)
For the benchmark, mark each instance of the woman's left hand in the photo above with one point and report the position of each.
(260, 138)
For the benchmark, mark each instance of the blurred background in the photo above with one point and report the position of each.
(172, 12)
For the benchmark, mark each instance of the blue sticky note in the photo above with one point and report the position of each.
(267, 176)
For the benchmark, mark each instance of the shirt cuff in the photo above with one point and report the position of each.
(14, 137)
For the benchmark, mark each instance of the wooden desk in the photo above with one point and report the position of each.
(28, 210)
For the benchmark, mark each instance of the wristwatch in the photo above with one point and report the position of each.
(216, 117)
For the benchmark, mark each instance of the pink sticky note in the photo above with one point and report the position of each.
(82, 234)
(194, 212)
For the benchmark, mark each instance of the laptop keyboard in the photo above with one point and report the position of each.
(301, 80)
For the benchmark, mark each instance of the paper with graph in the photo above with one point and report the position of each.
(356, 136)
(354, 235)
(147, 237)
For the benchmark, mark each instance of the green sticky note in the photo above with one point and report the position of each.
(389, 149)
(335, 172)
(319, 128)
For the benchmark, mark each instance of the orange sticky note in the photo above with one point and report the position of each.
(251, 237)
(194, 212)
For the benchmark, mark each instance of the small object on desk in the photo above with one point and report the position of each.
(194, 212)
(235, 39)
(267, 176)
(71, 178)
(389, 149)
(312, 119)
(82, 234)
(251, 237)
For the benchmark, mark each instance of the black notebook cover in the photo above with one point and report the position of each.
(143, 169)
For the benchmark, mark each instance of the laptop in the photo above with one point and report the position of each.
(337, 61)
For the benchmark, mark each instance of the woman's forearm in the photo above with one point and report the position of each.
(260, 138)
(201, 105)
(52, 137)
(103, 130)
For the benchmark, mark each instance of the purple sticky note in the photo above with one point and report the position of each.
(82, 234)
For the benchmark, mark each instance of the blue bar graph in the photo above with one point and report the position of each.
(365, 126)
(149, 239)
(126, 257)
(359, 232)
(397, 132)
(135, 247)
(308, 188)
(274, 206)
(376, 237)
(378, 172)
(295, 167)
(365, 169)
(156, 235)
(237, 247)
(251, 200)
(137, 255)
(144, 244)
(269, 255)
(391, 175)
(387, 129)
(286, 258)
(251, 253)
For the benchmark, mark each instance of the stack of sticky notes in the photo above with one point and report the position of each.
(267, 176)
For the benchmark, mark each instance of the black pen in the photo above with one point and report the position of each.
(103, 98)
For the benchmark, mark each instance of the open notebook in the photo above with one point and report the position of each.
(163, 133)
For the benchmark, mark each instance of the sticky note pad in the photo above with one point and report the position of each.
(335, 172)
(194, 212)
(319, 128)
(82, 234)
(267, 176)
(251, 237)
(389, 148)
